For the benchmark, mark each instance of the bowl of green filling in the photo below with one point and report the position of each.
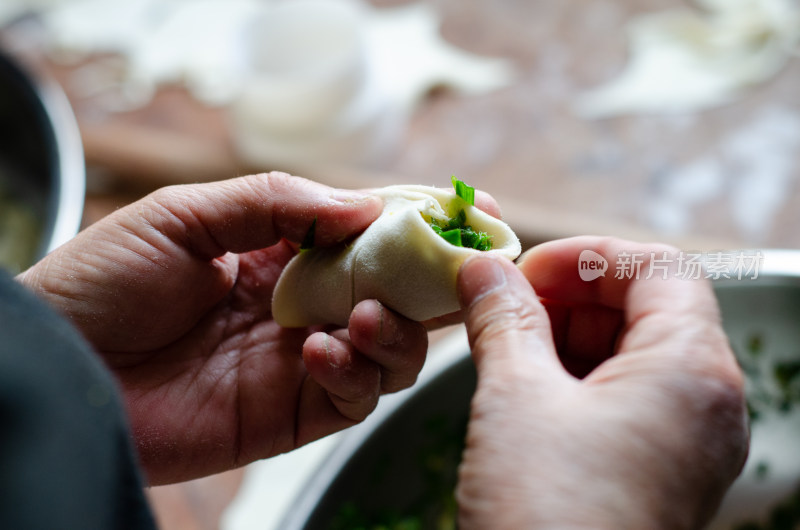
(762, 319)
(397, 470)
(42, 176)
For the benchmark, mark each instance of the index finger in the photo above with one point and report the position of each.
(253, 212)
(639, 278)
(485, 202)
(669, 315)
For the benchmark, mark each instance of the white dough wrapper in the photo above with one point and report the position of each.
(398, 260)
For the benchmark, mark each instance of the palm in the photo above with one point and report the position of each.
(205, 369)
(230, 384)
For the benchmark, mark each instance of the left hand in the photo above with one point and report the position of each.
(175, 293)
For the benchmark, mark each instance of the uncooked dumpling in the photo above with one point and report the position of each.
(398, 260)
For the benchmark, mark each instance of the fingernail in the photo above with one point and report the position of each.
(352, 197)
(387, 330)
(329, 355)
(480, 276)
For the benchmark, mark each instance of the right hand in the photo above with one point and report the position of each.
(651, 438)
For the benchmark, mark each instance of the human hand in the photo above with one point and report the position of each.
(175, 293)
(651, 437)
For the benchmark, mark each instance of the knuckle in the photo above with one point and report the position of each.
(170, 195)
(358, 385)
(279, 183)
(716, 367)
(356, 409)
(394, 382)
(726, 383)
(502, 314)
(270, 187)
(168, 204)
(356, 394)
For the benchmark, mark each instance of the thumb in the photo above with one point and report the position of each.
(253, 212)
(505, 320)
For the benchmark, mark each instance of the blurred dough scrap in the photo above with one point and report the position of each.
(684, 60)
(398, 260)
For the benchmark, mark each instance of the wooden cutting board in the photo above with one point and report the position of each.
(554, 174)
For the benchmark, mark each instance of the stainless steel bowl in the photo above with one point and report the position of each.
(402, 459)
(388, 466)
(42, 174)
(762, 320)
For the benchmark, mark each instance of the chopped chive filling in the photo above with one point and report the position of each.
(456, 231)
(462, 190)
(451, 236)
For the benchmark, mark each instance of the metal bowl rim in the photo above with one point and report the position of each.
(448, 352)
(71, 166)
(68, 172)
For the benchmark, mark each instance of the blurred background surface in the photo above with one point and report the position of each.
(724, 176)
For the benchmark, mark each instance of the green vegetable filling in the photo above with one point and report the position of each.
(462, 190)
(456, 231)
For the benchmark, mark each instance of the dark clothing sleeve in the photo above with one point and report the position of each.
(66, 458)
